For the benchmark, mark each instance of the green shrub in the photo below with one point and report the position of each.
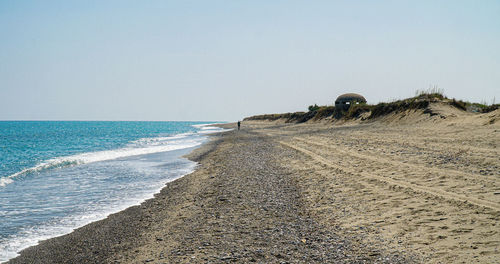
(356, 110)
(459, 104)
(324, 111)
(313, 108)
(398, 106)
(491, 108)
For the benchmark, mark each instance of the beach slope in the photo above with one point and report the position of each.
(417, 186)
(242, 204)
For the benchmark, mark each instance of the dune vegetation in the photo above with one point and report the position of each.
(421, 100)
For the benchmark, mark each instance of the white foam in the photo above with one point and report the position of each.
(202, 125)
(160, 140)
(139, 147)
(30, 237)
(209, 129)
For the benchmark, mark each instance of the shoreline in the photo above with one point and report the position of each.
(384, 192)
(108, 222)
(53, 250)
(178, 156)
(194, 219)
(126, 207)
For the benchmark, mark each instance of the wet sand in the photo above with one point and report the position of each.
(408, 188)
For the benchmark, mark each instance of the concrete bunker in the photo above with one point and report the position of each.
(345, 101)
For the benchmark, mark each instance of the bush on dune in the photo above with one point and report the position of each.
(422, 100)
(398, 106)
(355, 111)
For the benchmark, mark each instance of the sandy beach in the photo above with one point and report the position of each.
(410, 187)
(429, 184)
(250, 132)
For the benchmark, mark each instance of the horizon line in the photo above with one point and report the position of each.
(94, 120)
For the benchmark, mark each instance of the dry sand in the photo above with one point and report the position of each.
(426, 184)
(405, 188)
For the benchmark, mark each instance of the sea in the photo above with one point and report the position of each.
(56, 176)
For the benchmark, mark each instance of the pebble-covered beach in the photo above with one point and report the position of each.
(410, 188)
(241, 205)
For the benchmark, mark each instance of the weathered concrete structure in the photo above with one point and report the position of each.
(345, 101)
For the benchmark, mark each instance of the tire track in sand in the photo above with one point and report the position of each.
(416, 188)
(396, 163)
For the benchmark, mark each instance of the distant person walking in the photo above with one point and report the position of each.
(239, 123)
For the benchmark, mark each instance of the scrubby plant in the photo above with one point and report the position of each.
(304, 117)
(433, 92)
(491, 108)
(356, 110)
(398, 106)
(313, 108)
(324, 111)
(482, 107)
(459, 104)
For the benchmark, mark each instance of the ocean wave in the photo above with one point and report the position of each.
(138, 147)
(154, 141)
(50, 164)
(209, 129)
(202, 125)
(31, 236)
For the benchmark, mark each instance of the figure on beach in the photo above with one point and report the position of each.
(239, 125)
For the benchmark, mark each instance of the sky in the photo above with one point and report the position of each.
(225, 60)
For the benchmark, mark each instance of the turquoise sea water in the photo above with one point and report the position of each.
(56, 176)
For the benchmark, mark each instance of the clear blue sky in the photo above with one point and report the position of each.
(224, 60)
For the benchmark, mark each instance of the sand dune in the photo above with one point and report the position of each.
(430, 184)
